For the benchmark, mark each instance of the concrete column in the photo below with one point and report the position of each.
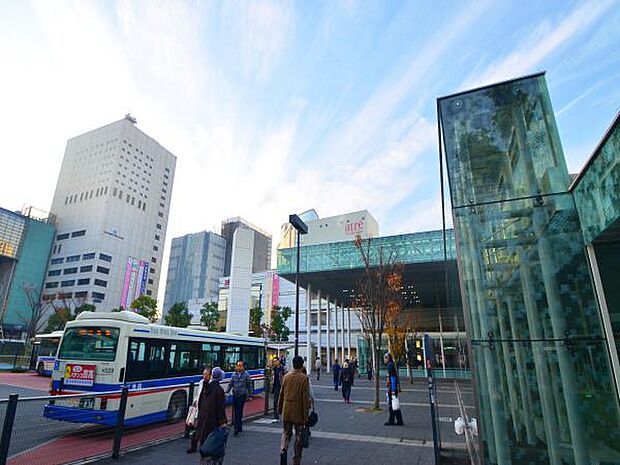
(327, 337)
(309, 330)
(343, 343)
(318, 325)
(349, 332)
(336, 354)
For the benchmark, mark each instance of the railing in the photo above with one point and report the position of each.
(28, 437)
(470, 440)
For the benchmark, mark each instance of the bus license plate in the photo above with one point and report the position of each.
(87, 403)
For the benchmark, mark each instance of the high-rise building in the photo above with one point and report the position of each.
(261, 259)
(111, 206)
(195, 268)
(25, 245)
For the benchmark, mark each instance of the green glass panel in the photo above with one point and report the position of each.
(560, 406)
(597, 192)
(529, 254)
(423, 247)
(501, 142)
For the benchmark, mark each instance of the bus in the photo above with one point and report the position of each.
(44, 349)
(104, 352)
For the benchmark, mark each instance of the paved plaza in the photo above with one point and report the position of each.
(344, 434)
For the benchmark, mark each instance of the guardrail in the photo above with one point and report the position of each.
(28, 437)
(470, 440)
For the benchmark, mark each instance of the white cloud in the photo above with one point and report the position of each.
(539, 44)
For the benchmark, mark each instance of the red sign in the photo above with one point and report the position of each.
(354, 228)
(79, 375)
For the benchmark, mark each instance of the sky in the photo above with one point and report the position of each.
(277, 107)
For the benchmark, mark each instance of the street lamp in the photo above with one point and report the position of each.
(301, 228)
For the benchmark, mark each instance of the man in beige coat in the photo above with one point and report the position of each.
(294, 406)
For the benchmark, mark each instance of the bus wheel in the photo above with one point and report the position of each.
(177, 406)
(40, 368)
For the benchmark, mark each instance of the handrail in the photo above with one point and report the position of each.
(471, 443)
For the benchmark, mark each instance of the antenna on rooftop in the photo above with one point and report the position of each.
(131, 118)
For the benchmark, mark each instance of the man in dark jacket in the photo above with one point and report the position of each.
(393, 388)
(336, 372)
(241, 387)
(276, 385)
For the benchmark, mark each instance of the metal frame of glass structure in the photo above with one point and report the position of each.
(544, 380)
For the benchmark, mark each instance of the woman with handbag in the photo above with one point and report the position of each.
(211, 413)
(393, 389)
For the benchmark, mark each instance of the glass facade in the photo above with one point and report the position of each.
(543, 375)
(423, 247)
(12, 228)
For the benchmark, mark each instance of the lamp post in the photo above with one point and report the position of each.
(301, 228)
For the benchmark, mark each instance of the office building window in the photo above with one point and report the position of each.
(150, 281)
(153, 260)
(156, 237)
(158, 226)
(88, 256)
(86, 269)
(160, 214)
(81, 295)
(65, 295)
(83, 281)
(155, 248)
(149, 292)
(78, 233)
(73, 258)
(73, 270)
(51, 285)
(103, 269)
(53, 273)
(56, 261)
(98, 296)
(68, 283)
(152, 271)
(61, 237)
(101, 282)
(105, 258)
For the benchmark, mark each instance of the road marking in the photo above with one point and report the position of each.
(349, 437)
(410, 404)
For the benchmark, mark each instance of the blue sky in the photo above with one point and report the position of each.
(277, 107)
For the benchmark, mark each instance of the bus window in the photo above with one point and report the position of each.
(146, 359)
(210, 355)
(97, 344)
(250, 356)
(232, 354)
(184, 358)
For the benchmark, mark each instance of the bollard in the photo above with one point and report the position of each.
(7, 428)
(267, 391)
(120, 420)
(190, 401)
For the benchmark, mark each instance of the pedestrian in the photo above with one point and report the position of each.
(206, 376)
(276, 385)
(241, 387)
(211, 412)
(317, 367)
(353, 366)
(393, 389)
(336, 373)
(369, 369)
(305, 372)
(294, 406)
(346, 379)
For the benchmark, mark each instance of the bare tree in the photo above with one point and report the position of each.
(379, 298)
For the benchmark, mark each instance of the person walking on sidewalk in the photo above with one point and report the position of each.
(346, 379)
(211, 412)
(276, 385)
(393, 389)
(294, 406)
(336, 372)
(317, 367)
(241, 387)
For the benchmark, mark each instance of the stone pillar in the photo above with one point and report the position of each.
(349, 332)
(327, 337)
(336, 354)
(343, 343)
(309, 330)
(318, 326)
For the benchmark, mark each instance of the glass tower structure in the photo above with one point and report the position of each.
(544, 378)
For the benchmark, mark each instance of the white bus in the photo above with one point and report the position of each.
(44, 349)
(103, 352)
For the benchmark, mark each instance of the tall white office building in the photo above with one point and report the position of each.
(111, 203)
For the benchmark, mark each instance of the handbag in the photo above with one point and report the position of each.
(395, 403)
(313, 419)
(304, 436)
(192, 415)
(215, 444)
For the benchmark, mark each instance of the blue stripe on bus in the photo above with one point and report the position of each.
(102, 387)
(99, 417)
(141, 330)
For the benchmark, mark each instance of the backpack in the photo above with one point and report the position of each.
(215, 444)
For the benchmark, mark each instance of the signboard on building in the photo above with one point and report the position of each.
(134, 284)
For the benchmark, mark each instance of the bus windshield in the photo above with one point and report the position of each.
(97, 344)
